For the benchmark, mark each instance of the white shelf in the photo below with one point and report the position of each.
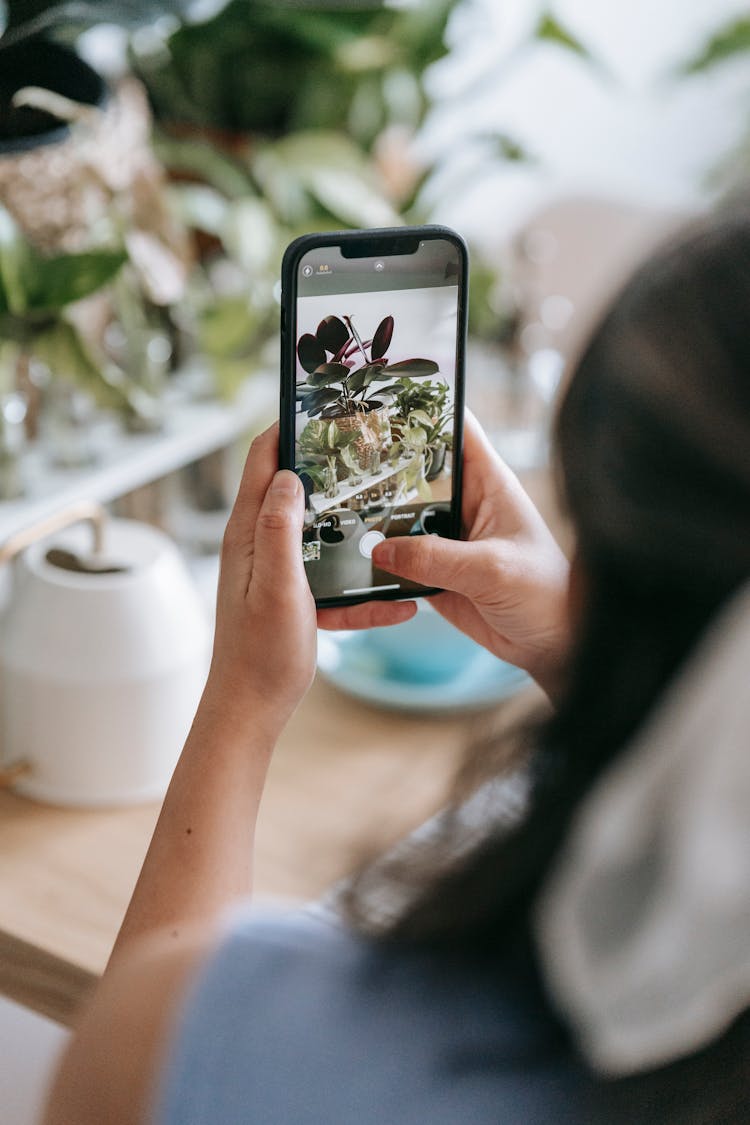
(321, 503)
(192, 430)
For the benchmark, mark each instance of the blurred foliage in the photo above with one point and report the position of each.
(271, 116)
(25, 18)
(550, 29)
(726, 42)
(35, 295)
(250, 205)
(271, 67)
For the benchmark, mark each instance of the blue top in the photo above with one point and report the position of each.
(296, 1021)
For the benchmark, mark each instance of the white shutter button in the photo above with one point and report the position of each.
(369, 542)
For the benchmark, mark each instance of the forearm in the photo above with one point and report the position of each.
(201, 854)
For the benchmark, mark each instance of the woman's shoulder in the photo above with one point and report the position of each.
(305, 1021)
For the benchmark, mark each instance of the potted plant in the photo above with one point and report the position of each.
(46, 89)
(344, 374)
(426, 447)
(36, 295)
(323, 445)
(426, 405)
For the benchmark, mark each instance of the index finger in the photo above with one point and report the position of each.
(485, 472)
(260, 465)
(366, 615)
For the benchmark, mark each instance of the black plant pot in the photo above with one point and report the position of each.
(38, 62)
(438, 460)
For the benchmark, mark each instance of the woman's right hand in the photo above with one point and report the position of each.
(506, 583)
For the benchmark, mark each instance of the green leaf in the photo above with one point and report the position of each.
(350, 199)
(205, 161)
(510, 148)
(315, 401)
(53, 283)
(250, 235)
(350, 459)
(63, 351)
(731, 39)
(328, 167)
(550, 30)
(328, 373)
(421, 417)
(33, 284)
(363, 376)
(417, 367)
(230, 373)
(227, 327)
(423, 489)
(199, 207)
(13, 254)
(415, 436)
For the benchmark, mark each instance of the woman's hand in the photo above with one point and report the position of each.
(264, 649)
(506, 584)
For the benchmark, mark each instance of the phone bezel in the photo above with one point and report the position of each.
(381, 242)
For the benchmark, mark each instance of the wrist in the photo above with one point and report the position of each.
(241, 712)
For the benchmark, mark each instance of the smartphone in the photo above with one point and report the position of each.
(373, 330)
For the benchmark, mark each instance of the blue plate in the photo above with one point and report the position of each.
(349, 662)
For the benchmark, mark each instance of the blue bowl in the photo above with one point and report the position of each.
(425, 650)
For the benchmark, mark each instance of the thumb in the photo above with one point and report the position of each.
(277, 549)
(451, 564)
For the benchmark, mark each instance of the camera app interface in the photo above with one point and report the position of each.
(376, 353)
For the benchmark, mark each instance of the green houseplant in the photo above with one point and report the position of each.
(323, 445)
(344, 377)
(424, 411)
(37, 297)
(357, 65)
(36, 292)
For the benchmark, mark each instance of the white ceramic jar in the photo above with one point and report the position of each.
(100, 673)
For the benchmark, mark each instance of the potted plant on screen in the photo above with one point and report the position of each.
(347, 377)
(425, 404)
(323, 446)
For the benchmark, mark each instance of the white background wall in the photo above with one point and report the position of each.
(629, 130)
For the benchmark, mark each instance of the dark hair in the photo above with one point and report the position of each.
(653, 448)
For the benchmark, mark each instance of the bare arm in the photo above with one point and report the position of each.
(201, 854)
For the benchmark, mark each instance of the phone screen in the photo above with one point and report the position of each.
(377, 348)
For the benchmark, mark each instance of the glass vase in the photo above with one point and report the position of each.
(12, 444)
(331, 478)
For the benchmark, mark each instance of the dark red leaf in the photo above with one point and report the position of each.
(333, 334)
(382, 339)
(311, 352)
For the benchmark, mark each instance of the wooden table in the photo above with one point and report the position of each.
(344, 776)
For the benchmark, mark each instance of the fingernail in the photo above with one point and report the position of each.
(285, 482)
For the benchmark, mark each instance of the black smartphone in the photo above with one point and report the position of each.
(373, 332)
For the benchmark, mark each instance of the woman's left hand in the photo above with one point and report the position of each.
(264, 649)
